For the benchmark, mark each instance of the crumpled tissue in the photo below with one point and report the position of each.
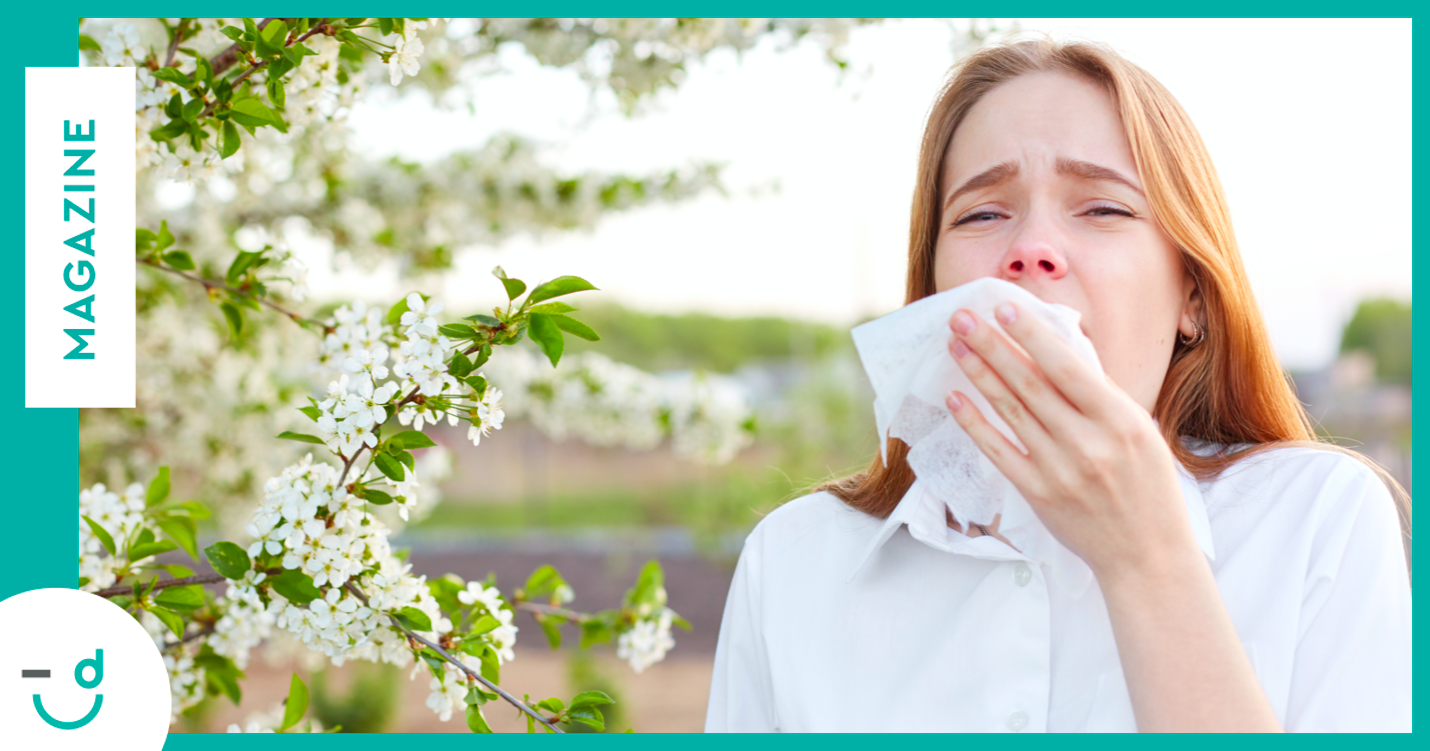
(906, 357)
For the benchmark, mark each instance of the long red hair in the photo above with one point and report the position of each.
(1229, 388)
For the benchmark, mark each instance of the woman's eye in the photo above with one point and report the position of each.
(1109, 209)
(974, 216)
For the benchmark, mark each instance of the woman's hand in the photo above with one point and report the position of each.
(1097, 472)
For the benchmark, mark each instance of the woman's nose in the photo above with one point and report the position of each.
(1034, 254)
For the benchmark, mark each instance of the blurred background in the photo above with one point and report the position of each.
(752, 207)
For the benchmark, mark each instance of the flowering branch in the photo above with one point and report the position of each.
(471, 674)
(209, 284)
(184, 582)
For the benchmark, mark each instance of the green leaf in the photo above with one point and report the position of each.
(478, 384)
(394, 314)
(552, 705)
(408, 459)
(228, 145)
(591, 699)
(304, 437)
(253, 113)
(192, 108)
(172, 75)
(594, 632)
(180, 260)
(476, 721)
(174, 108)
(241, 264)
(312, 412)
(164, 239)
(484, 625)
(158, 489)
(196, 510)
(487, 321)
(230, 560)
(572, 326)
(384, 26)
(182, 530)
(543, 581)
(376, 496)
(232, 32)
(222, 674)
(547, 336)
(177, 571)
(561, 285)
(483, 355)
(390, 467)
(234, 317)
(87, 42)
(514, 288)
(143, 239)
(459, 366)
(275, 91)
(412, 439)
(146, 549)
(553, 308)
(456, 331)
(551, 626)
(190, 597)
(297, 702)
(589, 716)
(104, 538)
(413, 619)
(169, 618)
(296, 586)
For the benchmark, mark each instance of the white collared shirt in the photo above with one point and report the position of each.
(839, 621)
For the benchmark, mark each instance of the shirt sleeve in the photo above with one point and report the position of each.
(741, 697)
(1352, 668)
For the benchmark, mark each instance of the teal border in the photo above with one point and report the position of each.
(44, 482)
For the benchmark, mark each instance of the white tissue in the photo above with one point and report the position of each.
(911, 369)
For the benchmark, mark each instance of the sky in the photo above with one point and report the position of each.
(1307, 122)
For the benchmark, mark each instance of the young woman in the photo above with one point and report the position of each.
(1246, 577)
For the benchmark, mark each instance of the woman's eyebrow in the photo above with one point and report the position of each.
(1000, 173)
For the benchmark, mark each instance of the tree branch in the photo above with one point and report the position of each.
(210, 284)
(184, 582)
(178, 38)
(201, 633)
(474, 675)
(570, 615)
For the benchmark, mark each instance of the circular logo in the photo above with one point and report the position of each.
(77, 671)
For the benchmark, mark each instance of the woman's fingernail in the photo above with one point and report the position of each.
(963, 323)
(1006, 314)
(959, 348)
(955, 402)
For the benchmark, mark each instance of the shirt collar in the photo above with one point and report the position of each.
(925, 517)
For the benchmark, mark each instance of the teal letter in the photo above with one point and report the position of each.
(97, 663)
(81, 242)
(86, 269)
(83, 305)
(78, 352)
(74, 170)
(61, 724)
(78, 134)
(72, 206)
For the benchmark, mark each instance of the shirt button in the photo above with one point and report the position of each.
(1021, 576)
(1017, 721)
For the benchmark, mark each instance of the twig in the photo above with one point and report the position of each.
(201, 633)
(178, 38)
(571, 615)
(318, 28)
(470, 673)
(210, 284)
(184, 582)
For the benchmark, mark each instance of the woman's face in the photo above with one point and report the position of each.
(1042, 191)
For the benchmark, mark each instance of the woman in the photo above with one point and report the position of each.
(1067, 170)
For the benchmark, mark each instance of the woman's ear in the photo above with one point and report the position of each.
(1191, 308)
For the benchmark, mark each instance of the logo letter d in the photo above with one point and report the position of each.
(97, 663)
